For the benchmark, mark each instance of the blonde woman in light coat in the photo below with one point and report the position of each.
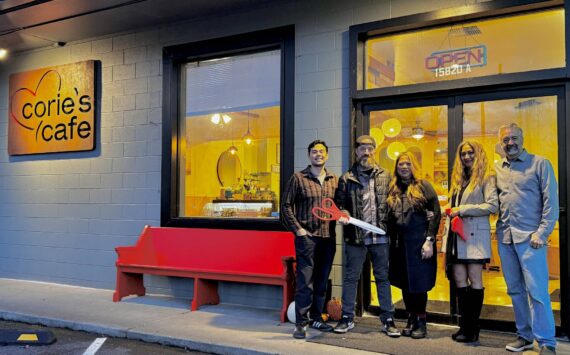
(473, 197)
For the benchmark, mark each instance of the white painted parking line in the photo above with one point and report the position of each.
(94, 347)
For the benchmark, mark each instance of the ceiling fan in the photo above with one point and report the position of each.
(417, 132)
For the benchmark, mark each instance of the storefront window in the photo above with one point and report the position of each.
(229, 147)
(423, 131)
(467, 50)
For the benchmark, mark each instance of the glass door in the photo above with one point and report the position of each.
(538, 117)
(432, 131)
(422, 130)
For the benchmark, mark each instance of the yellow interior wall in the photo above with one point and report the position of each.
(201, 179)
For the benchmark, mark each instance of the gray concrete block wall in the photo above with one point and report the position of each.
(61, 215)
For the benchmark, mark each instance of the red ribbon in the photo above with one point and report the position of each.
(457, 225)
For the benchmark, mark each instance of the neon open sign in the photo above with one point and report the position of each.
(456, 61)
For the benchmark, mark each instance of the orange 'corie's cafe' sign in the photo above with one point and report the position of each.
(52, 110)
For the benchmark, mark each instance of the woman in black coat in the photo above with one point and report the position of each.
(413, 221)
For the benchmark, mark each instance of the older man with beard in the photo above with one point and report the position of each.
(362, 193)
(528, 211)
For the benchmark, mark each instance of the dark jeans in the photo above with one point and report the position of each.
(314, 263)
(354, 259)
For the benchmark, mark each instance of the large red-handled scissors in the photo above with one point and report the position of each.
(330, 212)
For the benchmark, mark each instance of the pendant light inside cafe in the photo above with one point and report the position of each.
(248, 137)
(417, 131)
(232, 149)
(220, 119)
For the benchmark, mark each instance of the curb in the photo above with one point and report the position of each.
(130, 334)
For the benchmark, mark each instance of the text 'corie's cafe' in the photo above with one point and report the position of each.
(52, 109)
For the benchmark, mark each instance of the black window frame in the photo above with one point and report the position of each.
(174, 59)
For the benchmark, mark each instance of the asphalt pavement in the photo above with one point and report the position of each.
(73, 342)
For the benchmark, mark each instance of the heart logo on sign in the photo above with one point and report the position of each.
(52, 109)
(18, 112)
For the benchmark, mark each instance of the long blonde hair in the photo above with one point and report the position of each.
(414, 193)
(479, 170)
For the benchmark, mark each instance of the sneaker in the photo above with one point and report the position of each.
(520, 344)
(319, 324)
(547, 350)
(300, 332)
(344, 325)
(390, 329)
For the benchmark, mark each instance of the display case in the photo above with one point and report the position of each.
(240, 208)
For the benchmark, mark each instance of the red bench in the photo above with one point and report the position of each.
(208, 256)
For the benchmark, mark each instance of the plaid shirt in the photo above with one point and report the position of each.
(369, 209)
(302, 193)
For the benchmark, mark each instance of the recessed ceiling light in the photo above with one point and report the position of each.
(3, 53)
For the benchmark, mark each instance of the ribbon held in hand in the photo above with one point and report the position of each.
(457, 225)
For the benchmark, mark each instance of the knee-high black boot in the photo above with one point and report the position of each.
(412, 321)
(462, 308)
(475, 300)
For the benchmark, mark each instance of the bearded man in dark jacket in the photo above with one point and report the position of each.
(361, 194)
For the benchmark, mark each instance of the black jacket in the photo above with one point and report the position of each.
(408, 229)
(348, 197)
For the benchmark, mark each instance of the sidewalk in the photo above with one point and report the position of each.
(222, 329)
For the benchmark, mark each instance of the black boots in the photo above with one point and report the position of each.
(416, 327)
(412, 320)
(420, 329)
(469, 327)
(461, 293)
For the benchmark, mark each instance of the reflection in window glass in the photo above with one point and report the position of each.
(423, 131)
(466, 50)
(230, 137)
(537, 116)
